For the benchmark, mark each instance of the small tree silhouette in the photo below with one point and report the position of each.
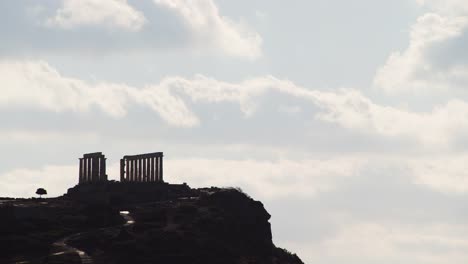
(40, 192)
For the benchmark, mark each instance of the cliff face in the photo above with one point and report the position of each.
(215, 226)
(239, 218)
(200, 226)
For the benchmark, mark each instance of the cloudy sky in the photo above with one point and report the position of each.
(348, 119)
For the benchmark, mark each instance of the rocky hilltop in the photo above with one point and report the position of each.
(123, 223)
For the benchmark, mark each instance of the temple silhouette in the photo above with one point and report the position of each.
(141, 179)
(133, 168)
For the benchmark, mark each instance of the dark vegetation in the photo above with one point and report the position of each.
(41, 191)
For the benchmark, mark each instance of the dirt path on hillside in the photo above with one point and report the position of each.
(62, 252)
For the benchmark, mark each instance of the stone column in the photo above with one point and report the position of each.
(156, 172)
(102, 168)
(152, 169)
(139, 169)
(127, 169)
(134, 170)
(148, 169)
(161, 169)
(156, 167)
(81, 171)
(125, 174)
(130, 172)
(84, 170)
(88, 170)
(95, 170)
(98, 168)
(145, 170)
(122, 170)
(144, 175)
(134, 176)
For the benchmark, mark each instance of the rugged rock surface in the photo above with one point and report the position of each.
(28, 227)
(188, 226)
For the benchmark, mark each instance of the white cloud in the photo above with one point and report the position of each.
(35, 84)
(348, 108)
(212, 30)
(171, 108)
(109, 13)
(416, 69)
(352, 110)
(38, 85)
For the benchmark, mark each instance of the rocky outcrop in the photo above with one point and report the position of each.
(216, 226)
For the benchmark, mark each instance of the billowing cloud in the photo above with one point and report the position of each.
(352, 110)
(109, 13)
(37, 84)
(348, 107)
(429, 63)
(212, 30)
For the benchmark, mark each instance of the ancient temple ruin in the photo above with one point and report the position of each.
(142, 168)
(92, 168)
(133, 168)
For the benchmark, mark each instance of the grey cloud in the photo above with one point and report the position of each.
(433, 63)
(48, 27)
(25, 34)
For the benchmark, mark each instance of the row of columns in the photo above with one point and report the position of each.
(142, 168)
(92, 168)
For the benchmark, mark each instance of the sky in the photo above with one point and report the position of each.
(347, 119)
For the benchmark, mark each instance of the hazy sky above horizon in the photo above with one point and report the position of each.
(348, 119)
